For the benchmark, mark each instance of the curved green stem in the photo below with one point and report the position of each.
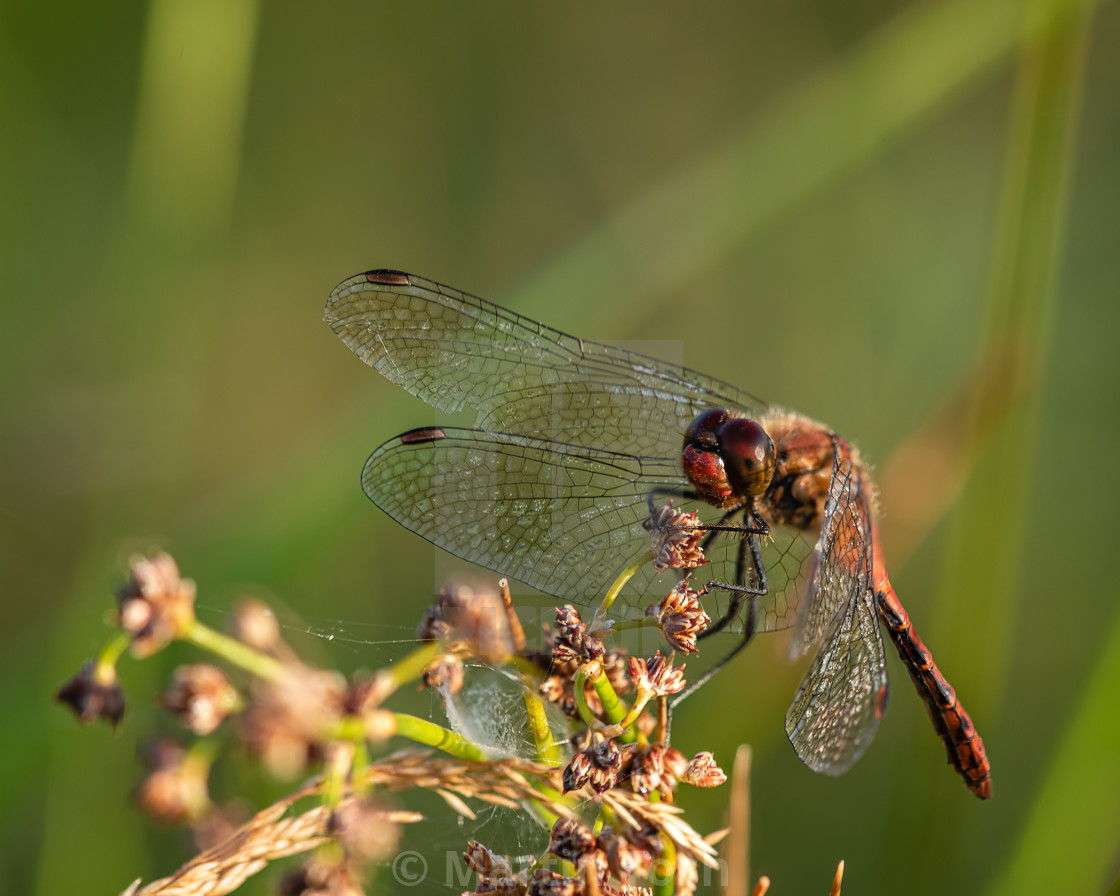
(663, 875)
(432, 735)
(112, 651)
(233, 651)
(579, 686)
(360, 767)
(411, 667)
(542, 732)
(620, 582)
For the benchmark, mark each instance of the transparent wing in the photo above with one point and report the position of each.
(560, 518)
(838, 706)
(841, 563)
(565, 519)
(456, 351)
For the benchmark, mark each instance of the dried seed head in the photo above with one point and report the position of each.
(602, 779)
(571, 839)
(648, 839)
(702, 771)
(554, 687)
(599, 765)
(433, 627)
(218, 824)
(656, 767)
(320, 876)
(606, 762)
(606, 754)
(680, 617)
(94, 693)
(656, 676)
(646, 769)
(578, 771)
(174, 789)
(363, 828)
(560, 689)
(675, 763)
(573, 643)
(200, 696)
(546, 882)
(614, 665)
(474, 622)
(485, 862)
(445, 674)
(495, 873)
(288, 721)
(255, 624)
(675, 538)
(687, 877)
(155, 605)
(624, 859)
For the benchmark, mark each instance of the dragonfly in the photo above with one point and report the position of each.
(555, 481)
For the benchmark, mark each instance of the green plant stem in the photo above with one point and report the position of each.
(663, 874)
(360, 769)
(621, 581)
(110, 654)
(579, 687)
(432, 735)
(613, 709)
(542, 733)
(411, 667)
(547, 751)
(234, 652)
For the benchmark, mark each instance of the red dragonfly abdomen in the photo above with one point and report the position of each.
(962, 742)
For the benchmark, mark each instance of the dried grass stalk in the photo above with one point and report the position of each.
(273, 834)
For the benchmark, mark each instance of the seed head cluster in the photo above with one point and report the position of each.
(676, 538)
(294, 719)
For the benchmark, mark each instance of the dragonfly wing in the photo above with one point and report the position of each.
(561, 518)
(839, 704)
(840, 566)
(456, 351)
(837, 709)
(788, 557)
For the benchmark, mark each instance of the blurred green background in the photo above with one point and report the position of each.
(900, 218)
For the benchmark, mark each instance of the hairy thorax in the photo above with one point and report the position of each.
(805, 452)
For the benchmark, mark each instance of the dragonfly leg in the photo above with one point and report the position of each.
(748, 634)
(685, 493)
(741, 592)
(741, 589)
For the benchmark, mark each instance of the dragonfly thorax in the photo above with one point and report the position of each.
(806, 454)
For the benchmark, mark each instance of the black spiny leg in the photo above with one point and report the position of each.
(740, 592)
(742, 589)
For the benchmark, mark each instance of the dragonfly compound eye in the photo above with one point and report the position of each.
(748, 455)
(701, 432)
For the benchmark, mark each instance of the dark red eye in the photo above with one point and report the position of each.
(748, 455)
(702, 430)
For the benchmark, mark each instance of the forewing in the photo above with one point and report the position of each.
(788, 556)
(564, 519)
(458, 351)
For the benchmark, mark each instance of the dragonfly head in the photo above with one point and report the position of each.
(727, 458)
